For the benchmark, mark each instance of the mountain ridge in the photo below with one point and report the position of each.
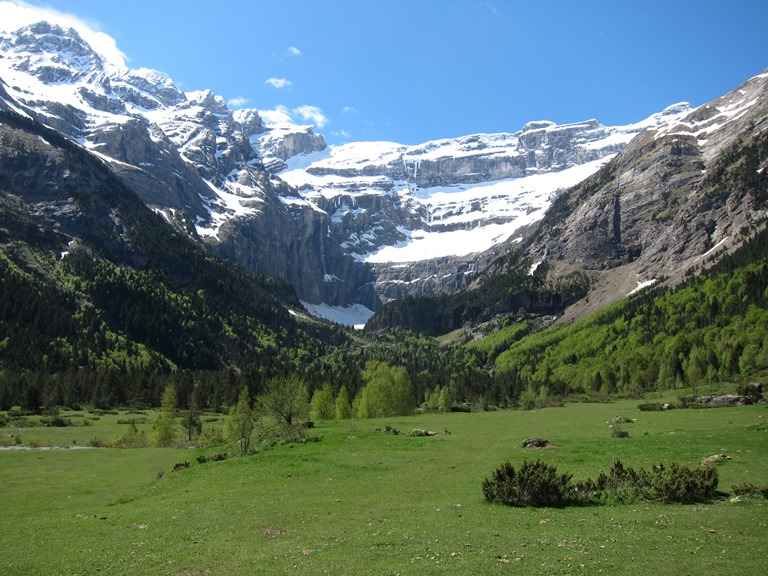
(220, 176)
(675, 198)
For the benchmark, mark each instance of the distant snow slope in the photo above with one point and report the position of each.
(464, 195)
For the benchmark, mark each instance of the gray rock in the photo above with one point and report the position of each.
(535, 443)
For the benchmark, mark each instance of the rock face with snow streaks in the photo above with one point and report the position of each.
(355, 224)
(184, 153)
(362, 223)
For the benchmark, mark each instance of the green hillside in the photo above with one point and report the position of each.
(713, 328)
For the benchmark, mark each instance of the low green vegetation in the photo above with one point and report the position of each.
(357, 500)
(539, 484)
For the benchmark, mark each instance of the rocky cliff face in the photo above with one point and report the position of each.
(666, 203)
(677, 197)
(357, 224)
(364, 223)
(428, 218)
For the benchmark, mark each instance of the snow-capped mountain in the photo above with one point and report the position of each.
(428, 218)
(676, 200)
(350, 227)
(456, 196)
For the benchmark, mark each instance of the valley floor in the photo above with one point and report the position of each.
(360, 500)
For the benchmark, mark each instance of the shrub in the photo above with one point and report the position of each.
(676, 483)
(96, 442)
(650, 407)
(749, 489)
(59, 422)
(534, 484)
(664, 483)
(131, 438)
(538, 484)
(623, 484)
(202, 459)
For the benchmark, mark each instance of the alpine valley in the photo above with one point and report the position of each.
(545, 224)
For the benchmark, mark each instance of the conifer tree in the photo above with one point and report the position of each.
(165, 425)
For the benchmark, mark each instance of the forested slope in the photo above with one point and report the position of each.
(713, 328)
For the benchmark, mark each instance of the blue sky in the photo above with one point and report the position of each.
(416, 70)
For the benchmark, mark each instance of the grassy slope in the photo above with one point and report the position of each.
(366, 502)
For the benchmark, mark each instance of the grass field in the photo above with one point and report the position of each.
(362, 501)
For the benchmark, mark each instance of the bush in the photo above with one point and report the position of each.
(97, 442)
(664, 483)
(538, 484)
(676, 483)
(534, 484)
(131, 438)
(650, 407)
(622, 485)
(56, 421)
(202, 459)
(749, 489)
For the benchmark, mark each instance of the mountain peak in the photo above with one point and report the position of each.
(51, 53)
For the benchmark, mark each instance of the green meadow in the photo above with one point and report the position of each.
(355, 499)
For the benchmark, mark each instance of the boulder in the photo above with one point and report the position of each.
(714, 459)
(535, 443)
(724, 400)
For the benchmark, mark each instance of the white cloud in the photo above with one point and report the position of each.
(284, 115)
(280, 115)
(238, 102)
(278, 83)
(312, 114)
(293, 51)
(492, 8)
(18, 13)
(350, 110)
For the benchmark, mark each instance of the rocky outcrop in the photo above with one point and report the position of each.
(678, 196)
(51, 53)
(665, 203)
(427, 277)
(281, 142)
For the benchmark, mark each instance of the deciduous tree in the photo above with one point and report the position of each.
(343, 406)
(286, 400)
(387, 391)
(322, 406)
(241, 423)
